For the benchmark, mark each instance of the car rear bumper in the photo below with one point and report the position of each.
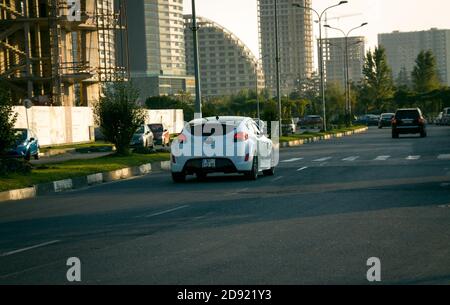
(222, 165)
(408, 129)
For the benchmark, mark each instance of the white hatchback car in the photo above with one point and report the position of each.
(222, 145)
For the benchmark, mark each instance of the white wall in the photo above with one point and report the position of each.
(173, 119)
(67, 125)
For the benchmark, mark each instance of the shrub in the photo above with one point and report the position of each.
(7, 121)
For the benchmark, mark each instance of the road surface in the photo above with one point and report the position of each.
(330, 207)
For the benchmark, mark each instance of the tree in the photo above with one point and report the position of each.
(403, 80)
(7, 121)
(118, 114)
(377, 83)
(425, 75)
(335, 103)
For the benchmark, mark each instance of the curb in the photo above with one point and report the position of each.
(321, 138)
(56, 187)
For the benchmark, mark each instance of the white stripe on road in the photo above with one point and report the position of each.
(412, 158)
(29, 248)
(351, 159)
(323, 159)
(278, 178)
(444, 157)
(302, 169)
(382, 158)
(292, 160)
(167, 211)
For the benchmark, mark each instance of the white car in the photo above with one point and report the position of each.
(222, 145)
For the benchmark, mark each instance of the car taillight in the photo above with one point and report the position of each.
(182, 138)
(394, 121)
(247, 157)
(240, 137)
(421, 121)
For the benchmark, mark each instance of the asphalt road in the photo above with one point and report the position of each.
(330, 207)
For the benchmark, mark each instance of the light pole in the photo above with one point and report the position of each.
(322, 73)
(277, 60)
(347, 75)
(198, 91)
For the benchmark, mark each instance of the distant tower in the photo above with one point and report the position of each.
(295, 41)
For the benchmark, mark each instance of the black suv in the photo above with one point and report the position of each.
(409, 121)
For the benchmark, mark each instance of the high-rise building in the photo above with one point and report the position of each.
(334, 57)
(295, 41)
(156, 47)
(58, 52)
(402, 49)
(227, 65)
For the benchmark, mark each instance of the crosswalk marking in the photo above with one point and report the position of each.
(351, 159)
(413, 158)
(323, 159)
(292, 160)
(444, 157)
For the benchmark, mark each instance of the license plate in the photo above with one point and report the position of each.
(208, 163)
(408, 121)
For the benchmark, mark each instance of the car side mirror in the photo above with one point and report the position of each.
(165, 130)
(32, 139)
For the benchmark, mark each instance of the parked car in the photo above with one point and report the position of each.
(288, 126)
(313, 121)
(243, 148)
(446, 116)
(160, 133)
(409, 121)
(26, 146)
(143, 138)
(386, 120)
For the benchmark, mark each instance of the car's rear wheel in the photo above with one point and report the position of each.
(201, 176)
(253, 174)
(269, 172)
(423, 134)
(178, 177)
(36, 156)
(28, 156)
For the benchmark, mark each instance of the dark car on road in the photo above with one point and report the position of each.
(160, 133)
(386, 120)
(26, 146)
(368, 120)
(312, 121)
(409, 121)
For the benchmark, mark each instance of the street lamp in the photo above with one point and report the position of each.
(347, 75)
(322, 76)
(198, 91)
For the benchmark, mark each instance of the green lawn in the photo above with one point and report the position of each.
(77, 168)
(84, 146)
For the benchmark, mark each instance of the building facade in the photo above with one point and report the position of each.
(157, 48)
(334, 57)
(227, 65)
(57, 52)
(402, 49)
(295, 41)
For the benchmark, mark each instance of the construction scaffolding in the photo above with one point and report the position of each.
(60, 52)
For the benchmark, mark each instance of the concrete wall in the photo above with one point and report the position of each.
(67, 125)
(57, 125)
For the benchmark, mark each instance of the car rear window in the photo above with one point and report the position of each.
(156, 127)
(211, 129)
(407, 114)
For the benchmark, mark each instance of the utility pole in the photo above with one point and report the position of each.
(198, 91)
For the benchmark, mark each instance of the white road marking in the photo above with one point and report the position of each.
(302, 169)
(413, 158)
(351, 159)
(444, 157)
(382, 158)
(29, 248)
(167, 211)
(278, 178)
(323, 159)
(292, 160)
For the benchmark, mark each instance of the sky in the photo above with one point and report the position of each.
(383, 16)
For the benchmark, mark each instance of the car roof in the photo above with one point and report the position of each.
(408, 109)
(236, 120)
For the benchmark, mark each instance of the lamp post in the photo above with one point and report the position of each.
(198, 91)
(322, 73)
(347, 75)
(277, 60)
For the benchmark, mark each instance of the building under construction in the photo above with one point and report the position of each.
(60, 52)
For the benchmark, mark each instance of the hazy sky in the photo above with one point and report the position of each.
(383, 16)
